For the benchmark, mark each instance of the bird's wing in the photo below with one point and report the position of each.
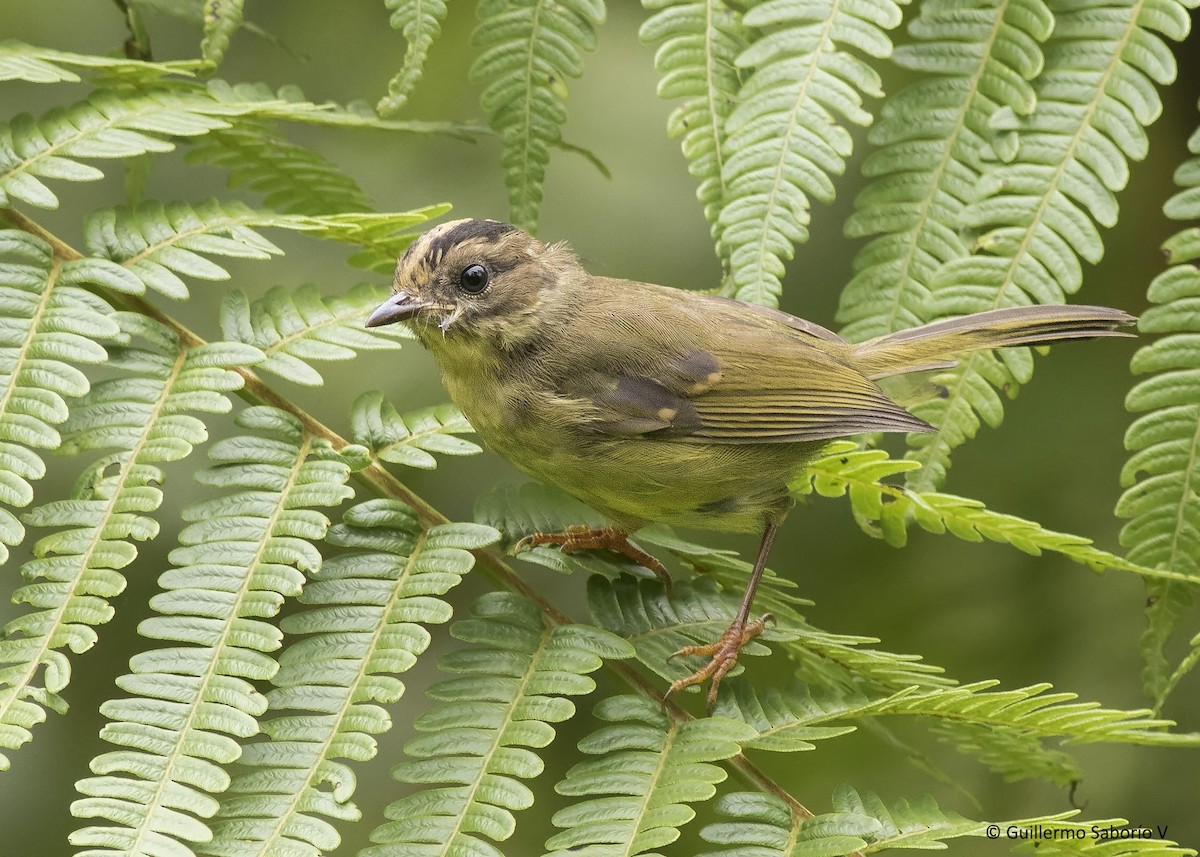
(712, 371)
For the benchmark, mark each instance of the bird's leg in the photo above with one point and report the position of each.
(583, 537)
(723, 653)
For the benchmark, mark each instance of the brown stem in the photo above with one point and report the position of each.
(256, 391)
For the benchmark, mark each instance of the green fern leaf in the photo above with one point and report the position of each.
(658, 624)
(243, 553)
(884, 510)
(933, 143)
(222, 18)
(46, 328)
(115, 124)
(646, 771)
(412, 438)
(1038, 217)
(295, 327)
(364, 623)
(698, 45)
(763, 825)
(510, 688)
(784, 141)
(159, 244)
(1162, 477)
(142, 417)
(421, 23)
(33, 64)
(528, 50)
(293, 178)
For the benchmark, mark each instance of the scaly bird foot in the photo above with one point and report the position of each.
(584, 537)
(723, 656)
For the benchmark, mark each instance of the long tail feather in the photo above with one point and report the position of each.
(938, 345)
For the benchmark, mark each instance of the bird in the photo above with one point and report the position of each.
(655, 404)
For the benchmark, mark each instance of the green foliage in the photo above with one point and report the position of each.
(49, 329)
(1035, 219)
(527, 51)
(509, 688)
(364, 622)
(648, 769)
(421, 23)
(279, 645)
(1162, 476)
(243, 552)
(409, 439)
(294, 327)
(698, 46)
(784, 141)
(884, 510)
(932, 145)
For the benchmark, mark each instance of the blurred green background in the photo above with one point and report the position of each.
(982, 611)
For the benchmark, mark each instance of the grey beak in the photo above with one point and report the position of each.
(399, 307)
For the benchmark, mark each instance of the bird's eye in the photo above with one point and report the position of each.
(473, 279)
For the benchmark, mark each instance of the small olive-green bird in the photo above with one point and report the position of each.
(654, 404)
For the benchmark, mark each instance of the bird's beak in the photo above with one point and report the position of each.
(399, 307)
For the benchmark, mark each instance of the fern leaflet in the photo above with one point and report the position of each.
(646, 771)
(421, 23)
(511, 686)
(784, 140)
(698, 45)
(1162, 476)
(412, 438)
(34, 64)
(222, 18)
(243, 553)
(364, 622)
(142, 416)
(934, 142)
(527, 52)
(296, 327)
(46, 328)
(1038, 217)
(884, 510)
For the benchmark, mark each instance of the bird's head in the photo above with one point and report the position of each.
(475, 279)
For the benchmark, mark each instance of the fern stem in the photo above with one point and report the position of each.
(382, 481)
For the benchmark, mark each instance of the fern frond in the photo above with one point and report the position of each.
(142, 417)
(381, 237)
(528, 50)
(1162, 477)
(784, 140)
(647, 771)
(1004, 729)
(46, 328)
(364, 623)
(243, 553)
(934, 141)
(222, 18)
(421, 23)
(412, 438)
(294, 327)
(1038, 217)
(117, 124)
(763, 825)
(698, 45)
(294, 179)
(511, 687)
(883, 510)
(154, 244)
(35, 64)
(658, 623)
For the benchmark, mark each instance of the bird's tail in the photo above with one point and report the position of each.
(938, 345)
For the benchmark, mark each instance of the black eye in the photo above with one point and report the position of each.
(473, 279)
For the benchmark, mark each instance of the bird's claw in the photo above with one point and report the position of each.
(583, 537)
(722, 658)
